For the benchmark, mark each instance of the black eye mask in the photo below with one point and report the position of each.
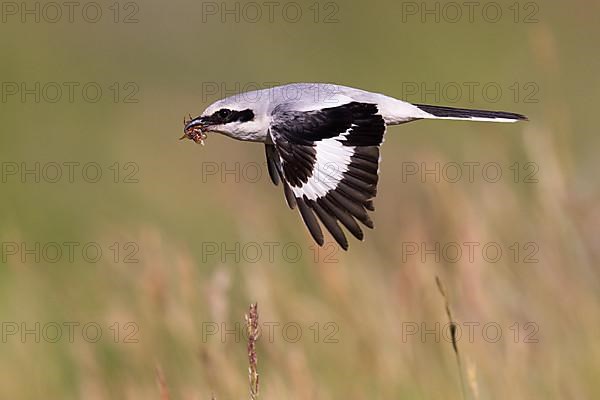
(225, 116)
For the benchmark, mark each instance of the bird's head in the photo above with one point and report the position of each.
(231, 117)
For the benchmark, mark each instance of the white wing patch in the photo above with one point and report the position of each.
(332, 160)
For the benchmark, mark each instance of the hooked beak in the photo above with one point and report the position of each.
(194, 129)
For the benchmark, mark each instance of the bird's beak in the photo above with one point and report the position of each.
(194, 129)
(194, 124)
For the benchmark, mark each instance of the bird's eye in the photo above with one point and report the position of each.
(224, 113)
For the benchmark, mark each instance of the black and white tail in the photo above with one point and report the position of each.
(438, 112)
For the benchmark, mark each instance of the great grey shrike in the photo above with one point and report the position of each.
(322, 142)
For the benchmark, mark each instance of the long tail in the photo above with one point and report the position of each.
(437, 112)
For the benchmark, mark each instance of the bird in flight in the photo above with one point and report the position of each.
(322, 142)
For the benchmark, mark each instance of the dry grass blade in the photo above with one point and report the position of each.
(452, 333)
(253, 334)
(162, 383)
(472, 378)
(449, 314)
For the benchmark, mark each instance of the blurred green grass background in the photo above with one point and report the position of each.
(370, 293)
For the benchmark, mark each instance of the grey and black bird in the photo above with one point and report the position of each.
(322, 142)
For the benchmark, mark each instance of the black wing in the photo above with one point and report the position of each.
(328, 161)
